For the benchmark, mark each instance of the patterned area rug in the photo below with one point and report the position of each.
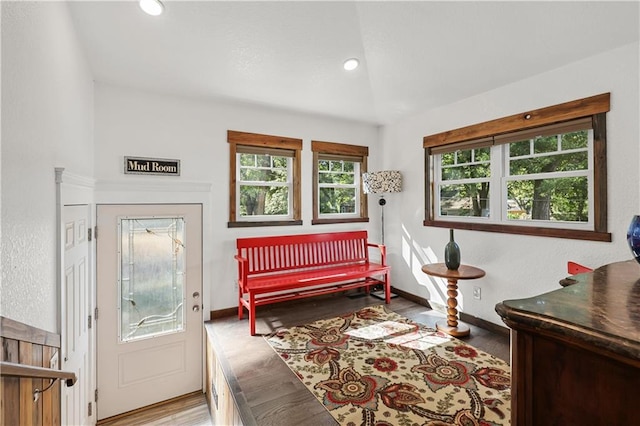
(376, 368)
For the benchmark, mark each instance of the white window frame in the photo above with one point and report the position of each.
(439, 182)
(498, 180)
(333, 151)
(588, 173)
(264, 184)
(355, 186)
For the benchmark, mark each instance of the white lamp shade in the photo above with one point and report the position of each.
(382, 182)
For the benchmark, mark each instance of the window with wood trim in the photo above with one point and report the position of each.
(337, 183)
(541, 172)
(264, 180)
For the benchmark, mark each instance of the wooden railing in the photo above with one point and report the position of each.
(11, 369)
(30, 389)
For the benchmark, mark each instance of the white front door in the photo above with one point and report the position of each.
(76, 311)
(149, 286)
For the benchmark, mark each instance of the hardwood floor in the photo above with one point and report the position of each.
(270, 394)
(189, 410)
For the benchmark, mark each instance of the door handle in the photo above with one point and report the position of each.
(195, 294)
(196, 308)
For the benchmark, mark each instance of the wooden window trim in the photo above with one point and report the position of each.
(526, 120)
(235, 139)
(594, 107)
(332, 148)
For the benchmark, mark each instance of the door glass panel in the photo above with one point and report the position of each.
(151, 277)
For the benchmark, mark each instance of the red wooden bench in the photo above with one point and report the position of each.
(278, 268)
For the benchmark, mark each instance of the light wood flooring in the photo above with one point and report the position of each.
(190, 410)
(271, 393)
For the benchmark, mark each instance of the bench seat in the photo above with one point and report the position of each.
(278, 268)
(294, 280)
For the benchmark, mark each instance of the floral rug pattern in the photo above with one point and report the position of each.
(376, 368)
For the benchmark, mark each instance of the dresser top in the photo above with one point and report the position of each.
(601, 309)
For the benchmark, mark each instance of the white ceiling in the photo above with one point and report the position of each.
(414, 55)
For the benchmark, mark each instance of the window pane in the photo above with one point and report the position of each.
(463, 156)
(151, 277)
(280, 162)
(466, 172)
(261, 175)
(323, 165)
(448, 159)
(545, 144)
(467, 164)
(336, 166)
(270, 169)
(560, 199)
(482, 154)
(248, 160)
(337, 200)
(337, 178)
(264, 200)
(470, 199)
(263, 160)
(550, 164)
(519, 149)
(575, 140)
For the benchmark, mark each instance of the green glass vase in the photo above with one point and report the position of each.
(452, 253)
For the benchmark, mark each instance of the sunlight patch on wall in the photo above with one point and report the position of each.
(415, 256)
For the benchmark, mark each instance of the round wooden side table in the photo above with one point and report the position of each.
(451, 325)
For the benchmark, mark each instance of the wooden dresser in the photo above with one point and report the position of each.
(575, 352)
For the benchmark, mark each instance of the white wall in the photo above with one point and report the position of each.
(48, 112)
(517, 266)
(47, 121)
(136, 123)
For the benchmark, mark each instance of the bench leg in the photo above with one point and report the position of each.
(252, 314)
(240, 311)
(387, 288)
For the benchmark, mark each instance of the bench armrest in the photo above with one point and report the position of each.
(243, 269)
(383, 252)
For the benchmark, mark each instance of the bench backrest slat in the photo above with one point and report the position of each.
(280, 253)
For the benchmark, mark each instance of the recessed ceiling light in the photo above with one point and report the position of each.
(351, 64)
(152, 7)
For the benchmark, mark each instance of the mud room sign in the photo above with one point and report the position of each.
(151, 166)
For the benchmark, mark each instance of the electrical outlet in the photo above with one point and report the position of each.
(476, 293)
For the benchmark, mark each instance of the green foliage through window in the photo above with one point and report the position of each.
(338, 185)
(265, 182)
(546, 179)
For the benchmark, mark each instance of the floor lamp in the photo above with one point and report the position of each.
(381, 183)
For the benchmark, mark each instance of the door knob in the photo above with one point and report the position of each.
(196, 295)
(196, 308)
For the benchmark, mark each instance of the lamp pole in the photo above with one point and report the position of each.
(382, 202)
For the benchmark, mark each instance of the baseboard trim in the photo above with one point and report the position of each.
(412, 297)
(487, 325)
(223, 313)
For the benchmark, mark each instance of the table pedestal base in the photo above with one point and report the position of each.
(460, 330)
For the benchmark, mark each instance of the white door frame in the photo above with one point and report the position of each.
(74, 189)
